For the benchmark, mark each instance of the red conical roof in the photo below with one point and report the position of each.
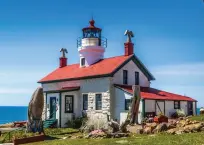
(91, 26)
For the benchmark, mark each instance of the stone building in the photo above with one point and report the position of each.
(102, 87)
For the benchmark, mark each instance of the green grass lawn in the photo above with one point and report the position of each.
(51, 133)
(159, 139)
(55, 135)
(198, 118)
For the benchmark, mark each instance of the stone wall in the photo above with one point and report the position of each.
(98, 118)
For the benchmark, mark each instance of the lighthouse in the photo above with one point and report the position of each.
(91, 45)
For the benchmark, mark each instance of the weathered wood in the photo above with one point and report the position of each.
(135, 104)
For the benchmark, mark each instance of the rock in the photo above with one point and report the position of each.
(198, 126)
(35, 110)
(181, 123)
(202, 129)
(189, 128)
(170, 126)
(134, 129)
(181, 118)
(97, 133)
(160, 128)
(179, 132)
(172, 131)
(147, 130)
(139, 131)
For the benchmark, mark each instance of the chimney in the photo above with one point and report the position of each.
(129, 46)
(63, 59)
(63, 62)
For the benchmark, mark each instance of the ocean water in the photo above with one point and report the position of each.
(13, 113)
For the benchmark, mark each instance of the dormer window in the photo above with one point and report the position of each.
(82, 61)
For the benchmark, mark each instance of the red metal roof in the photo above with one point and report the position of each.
(91, 26)
(103, 67)
(155, 94)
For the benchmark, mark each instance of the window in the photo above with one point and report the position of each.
(69, 102)
(125, 77)
(176, 104)
(82, 61)
(98, 102)
(137, 78)
(85, 101)
(127, 104)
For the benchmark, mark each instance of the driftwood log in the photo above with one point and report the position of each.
(132, 116)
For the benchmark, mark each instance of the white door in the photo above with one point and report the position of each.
(160, 107)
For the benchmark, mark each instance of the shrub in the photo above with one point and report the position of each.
(76, 123)
(178, 113)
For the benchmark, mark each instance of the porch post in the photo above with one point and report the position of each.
(60, 106)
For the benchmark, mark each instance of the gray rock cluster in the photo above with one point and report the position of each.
(183, 125)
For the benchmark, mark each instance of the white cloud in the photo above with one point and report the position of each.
(180, 69)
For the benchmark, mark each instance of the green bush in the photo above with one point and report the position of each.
(76, 123)
(178, 113)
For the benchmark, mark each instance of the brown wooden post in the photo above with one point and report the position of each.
(135, 104)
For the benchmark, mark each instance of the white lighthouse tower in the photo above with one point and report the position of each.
(91, 46)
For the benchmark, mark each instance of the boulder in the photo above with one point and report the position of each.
(147, 130)
(202, 129)
(172, 131)
(170, 126)
(160, 128)
(182, 123)
(35, 110)
(139, 131)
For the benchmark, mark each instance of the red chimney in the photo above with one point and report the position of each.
(129, 48)
(63, 59)
(129, 45)
(63, 62)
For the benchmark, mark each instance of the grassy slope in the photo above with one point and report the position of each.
(198, 118)
(162, 139)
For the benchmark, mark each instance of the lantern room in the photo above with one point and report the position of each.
(92, 45)
(91, 31)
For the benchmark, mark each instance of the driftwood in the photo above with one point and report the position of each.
(132, 116)
(114, 125)
(135, 104)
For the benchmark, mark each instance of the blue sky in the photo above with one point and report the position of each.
(169, 39)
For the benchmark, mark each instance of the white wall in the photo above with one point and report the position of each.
(169, 107)
(184, 106)
(59, 85)
(77, 107)
(150, 106)
(48, 105)
(95, 85)
(132, 68)
(119, 106)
